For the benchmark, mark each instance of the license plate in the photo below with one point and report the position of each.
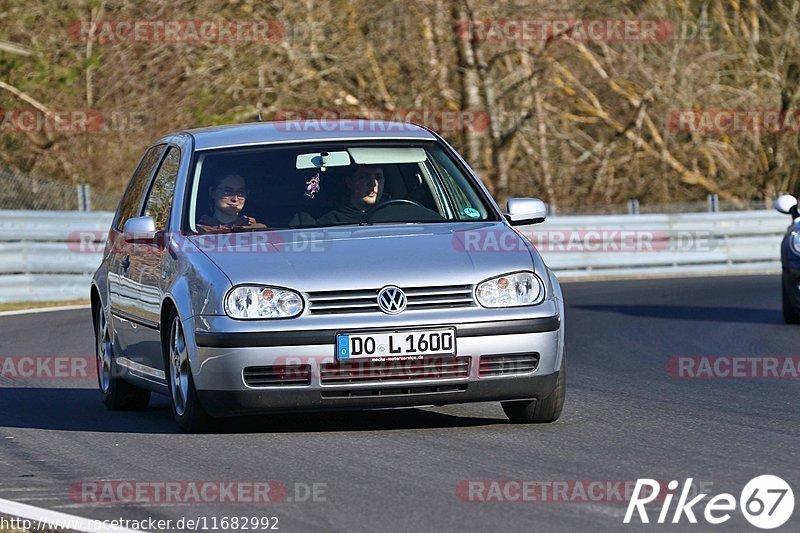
(396, 344)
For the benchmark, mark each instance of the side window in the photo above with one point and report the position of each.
(468, 205)
(159, 201)
(132, 199)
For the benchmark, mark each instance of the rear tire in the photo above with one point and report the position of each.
(118, 394)
(186, 408)
(790, 313)
(542, 410)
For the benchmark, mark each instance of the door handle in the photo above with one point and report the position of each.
(126, 263)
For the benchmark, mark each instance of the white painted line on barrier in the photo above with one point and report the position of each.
(645, 276)
(44, 310)
(54, 519)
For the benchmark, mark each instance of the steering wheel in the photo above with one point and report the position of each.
(377, 207)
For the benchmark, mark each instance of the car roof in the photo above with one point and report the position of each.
(305, 131)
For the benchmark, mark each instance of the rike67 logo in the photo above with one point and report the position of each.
(766, 502)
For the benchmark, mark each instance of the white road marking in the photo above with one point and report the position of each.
(46, 516)
(44, 310)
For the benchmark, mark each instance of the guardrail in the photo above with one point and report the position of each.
(669, 244)
(39, 260)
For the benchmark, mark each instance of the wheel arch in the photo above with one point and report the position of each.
(96, 305)
(168, 307)
(179, 301)
(559, 296)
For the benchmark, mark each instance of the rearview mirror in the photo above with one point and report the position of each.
(322, 159)
(786, 204)
(140, 230)
(525, 211)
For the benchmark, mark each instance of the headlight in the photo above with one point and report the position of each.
(262, 302)
(795, 242)
(511, 290)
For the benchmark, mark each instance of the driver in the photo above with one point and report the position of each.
(228, 194)
(365, 188)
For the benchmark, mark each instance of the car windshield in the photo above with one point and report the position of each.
(330, 184)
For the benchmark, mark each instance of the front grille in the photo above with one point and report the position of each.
(347, 372)
(502, 365)
(366, 300)
(398, 391)
(277, 375)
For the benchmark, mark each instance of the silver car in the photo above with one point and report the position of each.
(296, 266)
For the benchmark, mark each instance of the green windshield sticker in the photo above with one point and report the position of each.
(471, 212)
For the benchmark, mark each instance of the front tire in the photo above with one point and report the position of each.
(186, 408)
(542, 410)
(118, 394)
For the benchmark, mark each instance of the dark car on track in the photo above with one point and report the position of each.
(790, 259)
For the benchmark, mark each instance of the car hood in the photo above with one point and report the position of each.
(368, 257)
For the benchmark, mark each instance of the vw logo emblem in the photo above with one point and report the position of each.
(392, 300)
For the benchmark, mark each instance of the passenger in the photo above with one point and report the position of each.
(228, 194)
(365, 187)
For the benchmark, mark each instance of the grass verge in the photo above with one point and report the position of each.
(15, 306)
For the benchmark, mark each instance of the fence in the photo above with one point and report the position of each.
(24, 192)
(38, 263)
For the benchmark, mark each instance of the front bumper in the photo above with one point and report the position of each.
(230, 403)
(222, 355)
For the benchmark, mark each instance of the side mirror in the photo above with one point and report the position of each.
(525, 211)
(786, 204)
(140, 230)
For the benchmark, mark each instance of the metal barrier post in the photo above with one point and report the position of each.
(84, 197)
(713, 203)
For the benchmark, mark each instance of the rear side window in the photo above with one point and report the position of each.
(132, 199)
(159, 201)
(467, 201)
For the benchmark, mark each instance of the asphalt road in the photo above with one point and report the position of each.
(625, 418)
